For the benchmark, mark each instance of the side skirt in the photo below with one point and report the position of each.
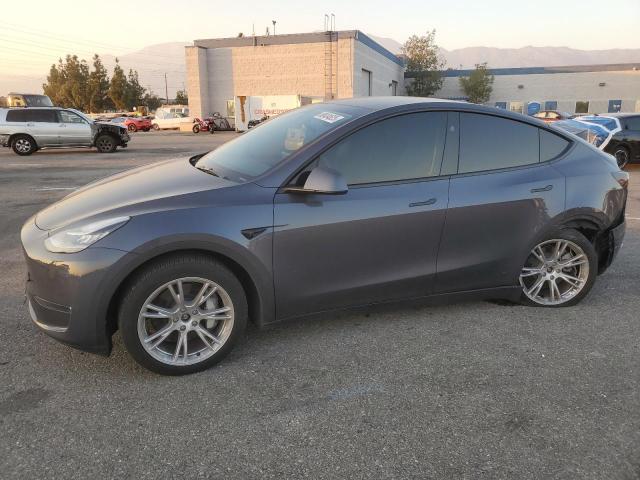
(512, 294)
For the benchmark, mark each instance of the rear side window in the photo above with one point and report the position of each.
(399, 148)
(490, 143)
(551, 145)
(48, 116)
(16, 116)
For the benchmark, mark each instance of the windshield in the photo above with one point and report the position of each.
(268, 144)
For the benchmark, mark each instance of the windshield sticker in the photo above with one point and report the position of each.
(329, 117)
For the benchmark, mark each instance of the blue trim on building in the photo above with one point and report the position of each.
(372, 44)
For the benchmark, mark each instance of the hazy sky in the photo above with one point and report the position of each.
(42, 30)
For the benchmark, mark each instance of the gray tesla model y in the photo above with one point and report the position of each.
(336, 205)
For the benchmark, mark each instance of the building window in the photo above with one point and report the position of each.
(394, 88)
(551, 105)
(614, 106)
(582, 107)
(516, 107)
(502, 105)
(366, 82)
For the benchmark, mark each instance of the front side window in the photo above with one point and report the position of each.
(490, 143)
(399, 148)
(70, 117)
(262, 148)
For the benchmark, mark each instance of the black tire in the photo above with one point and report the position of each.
(196, 128)
(622, 156)
(212, 128)
(145, 129)
(132, 127)
(589, 250)
(145, 282)
(105, 143)
(23, 145)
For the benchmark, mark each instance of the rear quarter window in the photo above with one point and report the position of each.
(633, 123)
(16, 116)
(551, 145)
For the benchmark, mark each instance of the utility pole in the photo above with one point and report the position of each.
(274, 26)
(166, 89)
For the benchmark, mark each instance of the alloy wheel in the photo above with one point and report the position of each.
(555, 272)
(23, 145)
(185, 321)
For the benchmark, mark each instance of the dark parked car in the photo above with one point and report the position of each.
(625, 143)
(343, 204)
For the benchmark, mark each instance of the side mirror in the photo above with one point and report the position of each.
(322, 180)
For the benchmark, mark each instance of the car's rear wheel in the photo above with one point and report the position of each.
(23, 145)
(622, 155)
(196, 128)
(132, 127)
(106, 144)
(155, 126)
(559, 271)
(183, 314)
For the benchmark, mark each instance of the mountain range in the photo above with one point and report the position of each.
(154, 61)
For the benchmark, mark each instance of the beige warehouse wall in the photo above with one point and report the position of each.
(383, 72)
(196, 63)
(565, 88)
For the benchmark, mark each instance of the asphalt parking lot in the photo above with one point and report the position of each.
(475, 390)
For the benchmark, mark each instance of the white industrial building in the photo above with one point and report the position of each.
(572, 89)
(308, 66)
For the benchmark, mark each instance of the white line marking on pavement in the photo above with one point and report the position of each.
(24, 165)
(632, 218)
(47, 189)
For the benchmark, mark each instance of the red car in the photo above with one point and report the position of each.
(133, 124)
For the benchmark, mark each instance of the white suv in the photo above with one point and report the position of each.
(29, 129)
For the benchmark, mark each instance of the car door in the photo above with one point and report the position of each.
(377, 242)
(42, 125)
(499, 201)
(74, 130)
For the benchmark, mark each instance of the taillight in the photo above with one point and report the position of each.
(622, 178)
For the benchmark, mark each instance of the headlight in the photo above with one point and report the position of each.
(76, 239)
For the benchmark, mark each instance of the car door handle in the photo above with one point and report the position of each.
(31, 124)
(431, 201)
(542, 189)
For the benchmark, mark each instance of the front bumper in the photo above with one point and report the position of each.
(68, 295)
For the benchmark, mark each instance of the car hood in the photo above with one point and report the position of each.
(130, 192)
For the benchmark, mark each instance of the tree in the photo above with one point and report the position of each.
(182, 98)
(134, 91)
(424, 63)
(152, 101)
(478, 85)
(67, 83)
(118, 87)
(98, 88)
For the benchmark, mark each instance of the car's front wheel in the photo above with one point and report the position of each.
(106, 144)
(559, 271)
(155, 126)
(182, 314)
(132, 127)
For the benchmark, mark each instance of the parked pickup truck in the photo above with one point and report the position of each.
(26, 130)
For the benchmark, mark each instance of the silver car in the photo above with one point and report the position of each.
(29, 129)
